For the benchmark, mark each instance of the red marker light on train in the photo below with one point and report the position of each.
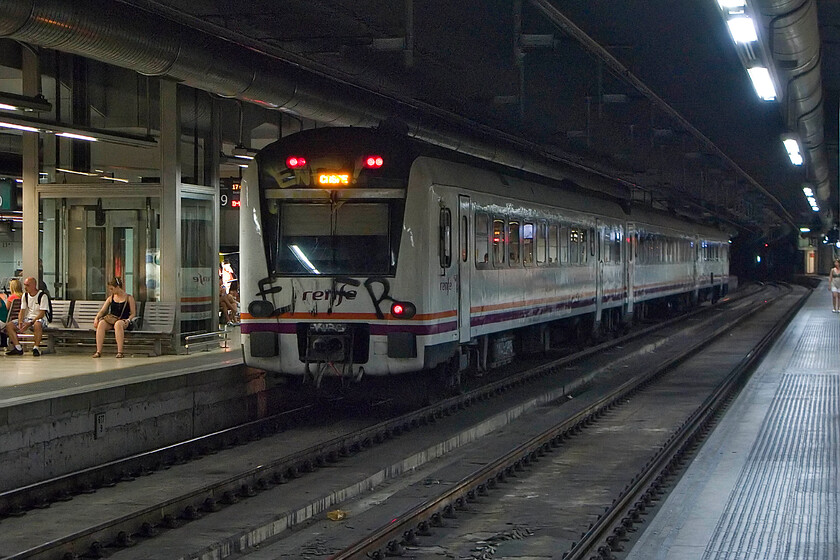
(403, 309)
(374, 162)
(294, 162)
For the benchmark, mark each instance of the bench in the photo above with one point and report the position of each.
(60, 319)
(153, 327)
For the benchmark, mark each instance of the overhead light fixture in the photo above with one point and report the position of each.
(805, 230)
(77, 136)
(15, 102)
(16, 126)
(99, 175)
(792, 147)
(71, 172)
(762, 82)
(26, 124)
(808, 191)
(742, 29)
(241, 152)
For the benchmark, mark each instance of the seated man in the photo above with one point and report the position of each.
(31, 316)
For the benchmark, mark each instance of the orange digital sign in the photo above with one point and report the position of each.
(333, 179)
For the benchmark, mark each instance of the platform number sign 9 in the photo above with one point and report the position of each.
(229, 195)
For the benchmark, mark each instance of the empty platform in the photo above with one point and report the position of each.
(765, 484)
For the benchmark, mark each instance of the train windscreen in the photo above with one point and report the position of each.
(351, 238)
(332, 203)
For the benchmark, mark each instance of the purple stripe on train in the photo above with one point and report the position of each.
(529, 312)
(375, 329)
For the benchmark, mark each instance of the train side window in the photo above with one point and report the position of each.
(465, 238)
(564, 243)
(603, 239)
(514, 243)
(614, 245)
(528, 244)
(499, 242)
(445, 238)
(636, 246)
(575, 238)
(553, 245)
(541, 243)
(482, 240)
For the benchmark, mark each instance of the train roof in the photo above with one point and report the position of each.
(405, 150)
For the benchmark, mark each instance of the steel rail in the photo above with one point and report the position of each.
(391, 537)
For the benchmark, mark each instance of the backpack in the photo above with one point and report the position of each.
(47, 309)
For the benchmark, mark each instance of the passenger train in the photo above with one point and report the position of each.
(369, 254)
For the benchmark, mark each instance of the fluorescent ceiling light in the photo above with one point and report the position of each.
(85, 173)
(20, 122)
(7, 107)
(762, 82)
(732, 4)
(815, 208)
(805, 229)
(243, 156)
(77, 136)
(742, 29)
(792, 147)
(18, 127)
(808, 191)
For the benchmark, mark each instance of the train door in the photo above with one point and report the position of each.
(629, 264)
(464, 268)
(596, 239)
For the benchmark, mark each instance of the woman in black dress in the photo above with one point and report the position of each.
(116, 313)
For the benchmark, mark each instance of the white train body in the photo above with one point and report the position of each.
(554, 260)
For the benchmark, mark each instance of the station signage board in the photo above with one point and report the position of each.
(8, 194)
(229, 193)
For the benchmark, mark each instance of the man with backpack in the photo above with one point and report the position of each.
(35, 311)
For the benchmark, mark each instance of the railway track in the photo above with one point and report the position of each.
(610, 522)
(272, 456)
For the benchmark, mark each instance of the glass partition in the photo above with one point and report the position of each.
(199, 265)
(86, 241)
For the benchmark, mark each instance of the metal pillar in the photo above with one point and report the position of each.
(215, 160)
(170, 204)
(31, 87)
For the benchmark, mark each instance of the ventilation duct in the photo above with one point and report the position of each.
(793, 36)
(118, 34)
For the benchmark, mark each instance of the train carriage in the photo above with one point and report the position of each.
(367, 254)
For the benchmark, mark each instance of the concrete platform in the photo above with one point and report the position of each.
(64, 412)
(25, 379)
(765, 485)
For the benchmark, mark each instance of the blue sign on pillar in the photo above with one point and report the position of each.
(8, 195)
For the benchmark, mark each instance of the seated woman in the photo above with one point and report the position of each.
(16, 289)
(116, 313)
(227, 305)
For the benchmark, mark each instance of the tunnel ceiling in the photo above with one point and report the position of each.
(651, 93)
